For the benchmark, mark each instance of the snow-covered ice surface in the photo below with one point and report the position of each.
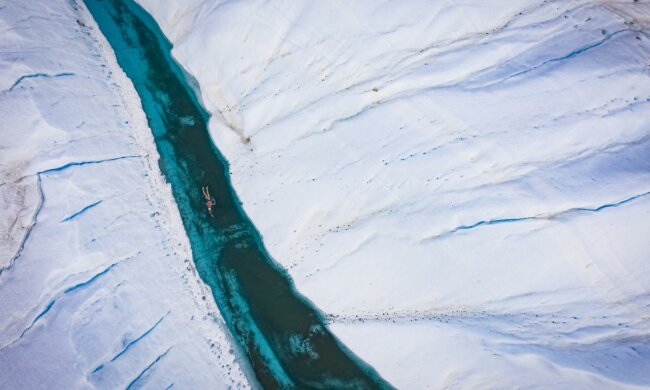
(462, 187)
(97, 286)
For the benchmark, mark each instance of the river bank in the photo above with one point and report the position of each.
(102, 292)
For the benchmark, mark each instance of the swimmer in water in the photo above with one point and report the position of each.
(209, 200)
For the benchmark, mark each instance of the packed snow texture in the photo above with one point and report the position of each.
(97, 286)
(462, 187)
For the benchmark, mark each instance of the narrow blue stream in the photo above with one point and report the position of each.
(283, 335)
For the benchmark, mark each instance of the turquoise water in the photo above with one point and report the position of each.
(283, 335)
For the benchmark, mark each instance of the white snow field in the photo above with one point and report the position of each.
(97, 286)
(462, 187)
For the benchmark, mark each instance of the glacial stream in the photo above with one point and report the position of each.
(283, 335)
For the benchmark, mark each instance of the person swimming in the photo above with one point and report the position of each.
(209, 200)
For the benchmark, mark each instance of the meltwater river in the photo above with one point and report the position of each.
(284, 337)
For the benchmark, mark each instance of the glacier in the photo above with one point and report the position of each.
(97, 284)
(461, 187)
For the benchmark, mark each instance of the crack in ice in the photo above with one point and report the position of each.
(131, 343)
(550, 216)
(94, 278)
(567, 56)
(89, 162)
(38, 317)
(68, 290)
(37, 75)
(83, 210)
(146, 369)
